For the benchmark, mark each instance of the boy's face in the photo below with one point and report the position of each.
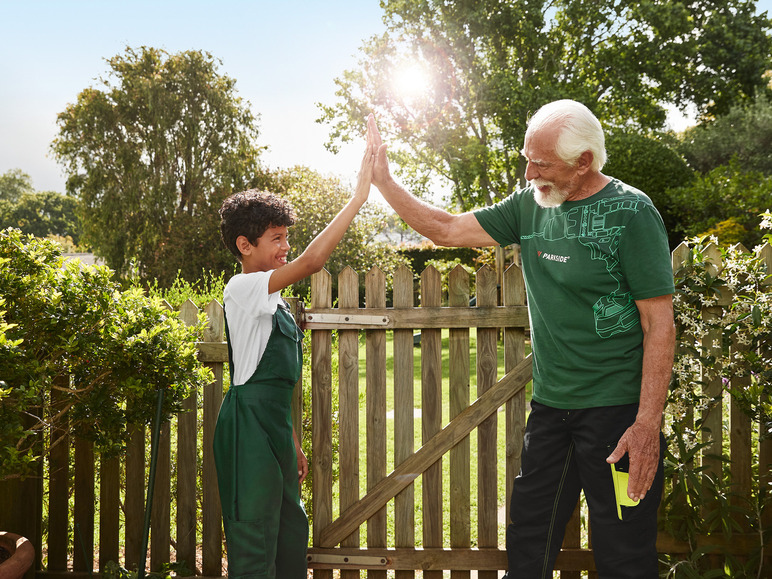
(269, 253)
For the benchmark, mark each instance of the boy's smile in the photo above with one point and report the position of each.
(270, 252)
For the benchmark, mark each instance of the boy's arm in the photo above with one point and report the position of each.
(320, 248)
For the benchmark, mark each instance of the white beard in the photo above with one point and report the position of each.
(553, 198)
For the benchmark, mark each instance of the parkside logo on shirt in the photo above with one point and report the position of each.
(553, 257)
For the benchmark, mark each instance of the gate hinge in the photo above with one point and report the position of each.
(346, 319)
(358, 560)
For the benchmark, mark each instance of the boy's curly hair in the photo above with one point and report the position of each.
(250, 213)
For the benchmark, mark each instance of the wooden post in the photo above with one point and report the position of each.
(83, 551)
(712, 431)
(514, 353)
(186, 465)
(58, 488)
(109, 507)
(135, 496)
(765, 446)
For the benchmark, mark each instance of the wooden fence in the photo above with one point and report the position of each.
(375, 519)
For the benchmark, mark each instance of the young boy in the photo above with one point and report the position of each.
(259, 462)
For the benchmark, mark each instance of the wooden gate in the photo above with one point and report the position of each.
(390, 508)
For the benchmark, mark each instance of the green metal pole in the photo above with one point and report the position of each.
(151, 481)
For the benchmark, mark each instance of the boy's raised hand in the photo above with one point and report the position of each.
(365, 177)
(381, 163)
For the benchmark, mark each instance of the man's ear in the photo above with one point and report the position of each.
(243, 245)
(584, 162)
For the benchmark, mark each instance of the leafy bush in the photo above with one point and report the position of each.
(77, 353)
(725, 202)
(723, 348)
(209, 286)
(647, 163)
(420, 255)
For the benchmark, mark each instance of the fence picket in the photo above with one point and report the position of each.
(713, 388)
(134, 499)
(765, 446)
(211, 542)
(431, 413)
(58, 492)
(375, 372)
(487, 452)
(185, 545)
(348, 395)
(404, 415)
(740, 449)
(513, 294)
(109, 506)
(160, 525)
(321, 408)
(83, 515)
(460, 454)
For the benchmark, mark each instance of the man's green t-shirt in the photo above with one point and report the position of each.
(585, 263)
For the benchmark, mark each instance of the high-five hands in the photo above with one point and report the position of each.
(381, 175)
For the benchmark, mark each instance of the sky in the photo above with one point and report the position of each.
(283, 54)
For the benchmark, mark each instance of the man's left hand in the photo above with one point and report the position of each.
(641, 443)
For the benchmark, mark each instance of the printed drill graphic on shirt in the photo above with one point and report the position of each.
(592, 225)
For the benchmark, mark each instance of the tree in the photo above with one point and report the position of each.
(44, 213)
(726, 202)
(13, 184)
(316, 200)
(650, 165)
(40, 213)
(745, 133)
(489, 64)
(162, 136)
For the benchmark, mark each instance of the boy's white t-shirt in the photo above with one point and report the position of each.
(249, 309)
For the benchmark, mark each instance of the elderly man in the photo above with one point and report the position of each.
(599, 283)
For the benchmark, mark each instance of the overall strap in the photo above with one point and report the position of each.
(235, 393)
(228, 342)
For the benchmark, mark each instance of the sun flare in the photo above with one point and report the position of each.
(411, 82)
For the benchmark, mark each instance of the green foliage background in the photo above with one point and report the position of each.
(78, 353)
(40, 213)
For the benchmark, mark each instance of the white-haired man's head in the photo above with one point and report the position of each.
(580, 131)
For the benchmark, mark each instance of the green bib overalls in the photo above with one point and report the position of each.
(266, 528)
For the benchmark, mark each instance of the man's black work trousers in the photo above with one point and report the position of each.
(564, 452)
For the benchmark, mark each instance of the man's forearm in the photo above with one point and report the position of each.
(429, 221)
(443, 228)
(658, 353)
